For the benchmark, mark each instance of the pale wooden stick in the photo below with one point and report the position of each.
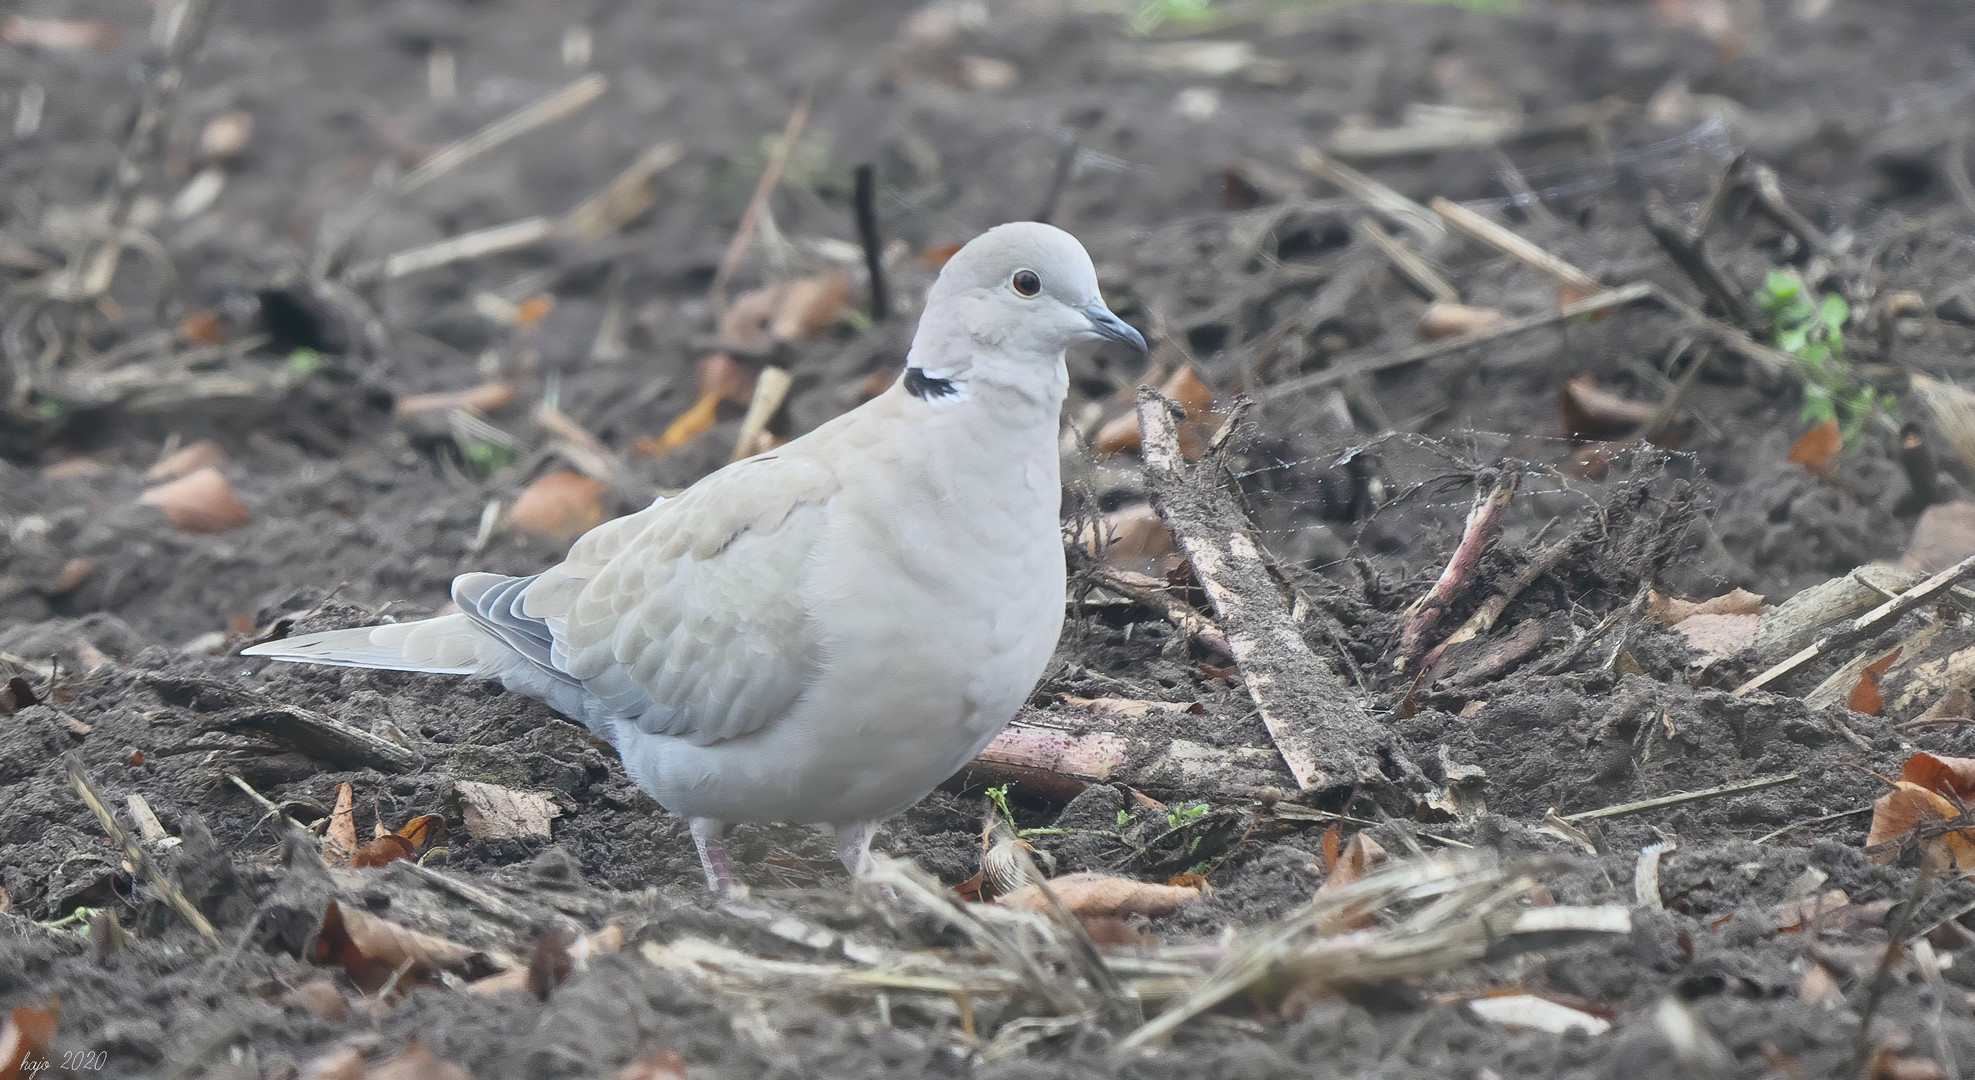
(556, 106)
(1502, 239)
(140, 858)
(771, 388)
(770, 176)
(1379, 197)
(1407, 264)
(1871, 622)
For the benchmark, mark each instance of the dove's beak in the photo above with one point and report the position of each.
(1111, 328)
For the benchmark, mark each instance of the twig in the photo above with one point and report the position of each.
(1414, 270)
(1768, 190)
(1590, 305)
(478, 244)
(1896, 942)
(139, 857)
(1774, 833)
(1059, 178)
(223, 706)
(1677, 798)
(1686, 248)
(1059, 762)
(1871, 622)
(1484, 524)
(771, 388)
(1491, 609)
(867, 235)
(1526, 198)
(627, 195)
(1382, 200)
(1509, 243)
(556, 106)
(1153, 593)
(770, 176)
(1327, 740)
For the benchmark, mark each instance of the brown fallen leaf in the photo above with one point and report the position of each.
(1831, 912)
(416, 1063)
(656, 1064)
(381, 851)
(934, 257)
(57, 35)
(560, 506)
(187, 459)
(422, 830)
(72, 574)
(1129, 536)
(1121, 434)
(1818, 985)
(320, 997)
(1671, 610)
(1897, 813)
(1948, 775)
(28, 1033)
(1447, 319)
(372, 949)
(1944, 535)
(203, 328)
(811, 305)
(199, 502)
(1590, 412)
(1955, 706)
(1865, 696)
(726, 379)
(1817, 451)
(341, 838)
(493, 812)
(1358, 858)
(529, 313)
(342, 1063)
(1093, 895)
(553, 960)
(482, 399)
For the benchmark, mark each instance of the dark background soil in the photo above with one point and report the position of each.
(1854, 103)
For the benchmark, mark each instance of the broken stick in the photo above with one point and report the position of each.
(1871, 622)
(146, 866)
(1058, 762)
(1483, 526)
(1327, 740)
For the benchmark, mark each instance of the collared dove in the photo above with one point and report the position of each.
(824, 633)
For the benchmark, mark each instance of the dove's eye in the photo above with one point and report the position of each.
(1025, 283)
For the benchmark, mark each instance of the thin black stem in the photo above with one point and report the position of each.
(867, 233)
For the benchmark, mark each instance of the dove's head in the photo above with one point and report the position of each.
(1009, 303)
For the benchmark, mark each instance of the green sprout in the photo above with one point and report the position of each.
(486, 458)
(1811, 328)
(1124, 818)
(304, 362)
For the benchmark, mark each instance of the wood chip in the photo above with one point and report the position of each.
(493, 812)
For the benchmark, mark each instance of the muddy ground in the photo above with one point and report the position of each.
(1177, 164)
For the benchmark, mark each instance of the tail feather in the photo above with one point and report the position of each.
(447, 645)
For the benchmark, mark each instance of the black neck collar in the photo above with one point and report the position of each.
(927, 388)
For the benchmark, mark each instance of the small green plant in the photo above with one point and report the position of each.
(1179, 817)
(304, 362)
(486, 458)
(998, 795)
(1811, 328)
(1149, 15)
(1124, 818)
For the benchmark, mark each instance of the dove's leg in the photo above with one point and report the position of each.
(713, 855)
(854, 846)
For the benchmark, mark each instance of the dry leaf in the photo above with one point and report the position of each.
(380, 851)
(1818, 985)
(1717, 637)
(225, 135)
(187, 459)
(811, 305)
(1093, 895)
(659, 1064)
(529, 313)
(1671, 611)
(1130, 536)
(1956, 704)
(72, 574)
(577, 956)
(416, 1063)
(342, 834)
(560, 506)
(690, 425)
(199, 502)
(1831, 912)
(1121, 434)
(493, 812)
(1532, 1013)
(485, 398)
(29, 1032)
(343, 1063)
(61, 35)
(1447, 319)
(1944, 535)
(1896, 813)
(1592, 413)
(748, 325)
(1818, 450)
(1865, 696)
(423, 829)
(933, 258)
(1889, 1064)
(320, 997)
(203, 328)
(726, 379)
(1947, 775)
(372, 949)
(1341, 868)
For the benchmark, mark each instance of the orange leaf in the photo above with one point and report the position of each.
(560, 506)
(28, 1033)
(530, 312)
(385, 849)
(202, 328)
(1896, 813)
(485, 398)
(1122, 435)
(1946, 775)
(423, 829)
(1090, 895)
(1865, 696)
(199, 502)
(690, 425)
(342, 834)
(1357, 860)
(1333, 845)
(726, 378)
(1818, 450)
(935, 257)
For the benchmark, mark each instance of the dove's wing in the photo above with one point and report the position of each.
(686, 618)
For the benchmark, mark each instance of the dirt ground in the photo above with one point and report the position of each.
(268, 318)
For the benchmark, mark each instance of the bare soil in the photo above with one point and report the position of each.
(1358, 491)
